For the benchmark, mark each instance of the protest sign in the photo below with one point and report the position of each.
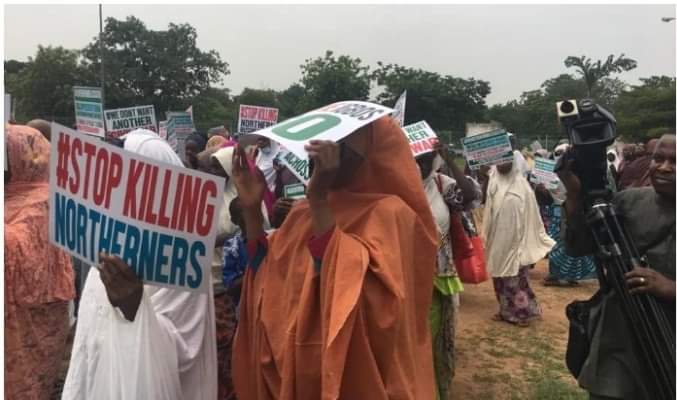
(544, 172)
(473, 128)
(332, 122)
(179, 126)
(299, 167)
(295, 192)
(123, 120)
(398, 114)
(158, 218)
(8, 107)
(488, 148)
(254, 118)
(162, 129)
(421, 138)
(89, 110)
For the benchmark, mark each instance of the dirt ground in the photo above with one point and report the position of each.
(499, 361)
(496, 360)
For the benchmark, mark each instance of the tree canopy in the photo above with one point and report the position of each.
(444, 101)
(163, 68)
(329, 79)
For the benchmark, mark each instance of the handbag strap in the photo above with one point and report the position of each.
(438, 182)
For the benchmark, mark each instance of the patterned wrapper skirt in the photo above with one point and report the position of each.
(35, 342)
(226, 324)
(517, 302)
(561, 265)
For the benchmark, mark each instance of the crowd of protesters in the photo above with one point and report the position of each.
(351, 293)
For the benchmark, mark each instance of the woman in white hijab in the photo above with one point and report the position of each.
(515, 238)
(166, 350)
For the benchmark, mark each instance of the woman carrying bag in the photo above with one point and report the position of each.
(448, 197)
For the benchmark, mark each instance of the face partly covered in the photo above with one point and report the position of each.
(662, 167)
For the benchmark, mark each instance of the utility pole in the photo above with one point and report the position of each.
(103, 79)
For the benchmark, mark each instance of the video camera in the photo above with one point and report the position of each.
(590, 129)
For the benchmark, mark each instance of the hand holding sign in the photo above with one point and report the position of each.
(250, 184)
(326, 156)
(123, 287)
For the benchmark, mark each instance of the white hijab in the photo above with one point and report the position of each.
(513, 231)
(167, 353)
(225, 157)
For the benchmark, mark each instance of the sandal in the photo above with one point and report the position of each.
(523, 324)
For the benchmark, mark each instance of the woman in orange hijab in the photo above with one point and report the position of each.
(38, 277)
(335, 303)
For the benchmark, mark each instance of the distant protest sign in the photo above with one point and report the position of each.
(332, 122)
(123, 120)
(295, 192)
(254, 118)
(8, 107)
(158, 218)
(474, 128)
(421, 138)
(89, 110)
(488, 148)
(179, 126)
(298, 166)
(544, 172)
(400, 106)
(162, 129)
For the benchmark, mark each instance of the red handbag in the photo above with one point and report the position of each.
(467, 251)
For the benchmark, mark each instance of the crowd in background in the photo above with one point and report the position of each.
(360, 286)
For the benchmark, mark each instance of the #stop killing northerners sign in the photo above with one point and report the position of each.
(158, 218)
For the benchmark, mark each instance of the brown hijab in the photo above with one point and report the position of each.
(358, 329)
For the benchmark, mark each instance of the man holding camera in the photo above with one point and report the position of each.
(612, 369)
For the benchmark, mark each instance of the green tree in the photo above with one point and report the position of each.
(593, 71)
(214, 107)
(533, 116)
(445, 102)
(258, 97)
(290, 101)
(647, 110)
(43, 86)
(330, 79)
(163, 68)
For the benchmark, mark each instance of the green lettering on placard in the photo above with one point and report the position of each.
(304, 128)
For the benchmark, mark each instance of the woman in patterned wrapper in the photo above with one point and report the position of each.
(39, 279)
(515, 238)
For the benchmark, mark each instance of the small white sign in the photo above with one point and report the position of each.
(421, 138)
(89, 110)
(124, 120)
(332, 122)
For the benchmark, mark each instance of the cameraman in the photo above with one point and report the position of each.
(611, 370)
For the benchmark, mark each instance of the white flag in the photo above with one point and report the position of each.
(398, 114)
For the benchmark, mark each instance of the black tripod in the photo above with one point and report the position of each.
(650, 327)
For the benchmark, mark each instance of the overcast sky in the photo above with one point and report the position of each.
(513, 47)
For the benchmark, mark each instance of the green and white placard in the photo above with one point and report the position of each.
(295, 191)
(332, 122)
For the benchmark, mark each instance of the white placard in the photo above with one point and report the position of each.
(400, 106)
(89, 110)
(421, 138)
(332, 122)
(124, 120)
(158, 218)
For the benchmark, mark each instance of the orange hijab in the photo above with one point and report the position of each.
(35, 271)
(358, 329)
